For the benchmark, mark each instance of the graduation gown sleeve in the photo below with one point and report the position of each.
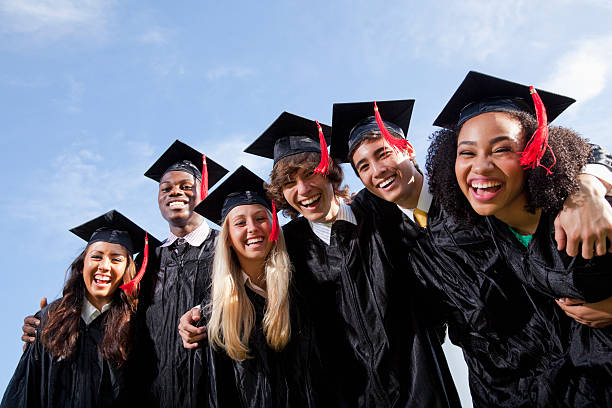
(83, 380)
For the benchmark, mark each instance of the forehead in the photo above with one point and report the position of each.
(176, 176)
(107, 247)
(245, 210)
(489, 125)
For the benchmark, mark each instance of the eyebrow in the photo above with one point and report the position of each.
(376, 152)
(491, 142)
(95, 251)
(178, 182)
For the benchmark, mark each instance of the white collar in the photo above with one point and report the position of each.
(424, 202)
(194, 238)
(247, 282)
(89, 312)
(323, 229)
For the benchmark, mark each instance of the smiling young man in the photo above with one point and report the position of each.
(180, 280)
(491, 314)
(370, 340)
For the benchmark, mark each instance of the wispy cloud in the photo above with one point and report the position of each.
(54, 18)
(220, 72)
(584, 71)
(475, 28)
(228, 151)
(73, 99)
(155, 36)
(83, 181)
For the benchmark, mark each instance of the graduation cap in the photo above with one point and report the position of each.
(181, 157)
(290, 134)
(115, 228)
(242, 187)
(480, 93)
(352, 121)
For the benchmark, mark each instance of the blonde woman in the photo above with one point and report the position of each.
(260, 342)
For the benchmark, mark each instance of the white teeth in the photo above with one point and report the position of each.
(486, 185)
(176, 204)
(102, 278)
(252, 241)
(310, 200)
(386, 182)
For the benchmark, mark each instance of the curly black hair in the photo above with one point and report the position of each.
(547, 192)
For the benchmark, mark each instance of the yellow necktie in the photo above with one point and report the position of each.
(421, 217)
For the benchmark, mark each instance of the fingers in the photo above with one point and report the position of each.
(43, 302)
(571, 246)
(195, 314)
(571, 302)
(31, 320)
(587, 247)
(601, 245)
(190, 341)
(190, 346)
(186, 322)
(560, 235)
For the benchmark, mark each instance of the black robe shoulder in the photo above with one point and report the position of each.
(178, 279)
(84, 380)
(366, 316)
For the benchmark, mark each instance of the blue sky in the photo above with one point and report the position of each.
(91, 92)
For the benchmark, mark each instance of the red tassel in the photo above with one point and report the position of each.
(133, 286)
(323, 167)
(204, 184)
(538, 144)
(397, 144)
(274, 233)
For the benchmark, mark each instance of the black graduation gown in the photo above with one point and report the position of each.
(170, 375)
(371, 338)
(83, 380)
(269, 378)
(516, 341)
(553, 272)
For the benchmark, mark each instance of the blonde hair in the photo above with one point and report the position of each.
(232, 315)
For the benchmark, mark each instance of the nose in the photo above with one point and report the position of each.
(251, 225)
(378, 169)
(175, 191)
(303, 186)
(104, 264)
(482, 163)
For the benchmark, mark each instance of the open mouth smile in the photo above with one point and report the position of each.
(310, 202)
(178, 204)
(386, 182)
(485, 190)
(254, 241)
(102, 280)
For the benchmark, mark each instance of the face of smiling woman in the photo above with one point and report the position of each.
(488, 169)
(249, 229)
(103, 269)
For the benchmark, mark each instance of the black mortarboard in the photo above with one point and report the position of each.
(182, 157)
(239, 188)
(480, 93)
(289, 134)
(115, 228)
(351, 121)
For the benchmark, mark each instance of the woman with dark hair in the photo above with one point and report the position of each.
(501, 192)
(84, 339)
